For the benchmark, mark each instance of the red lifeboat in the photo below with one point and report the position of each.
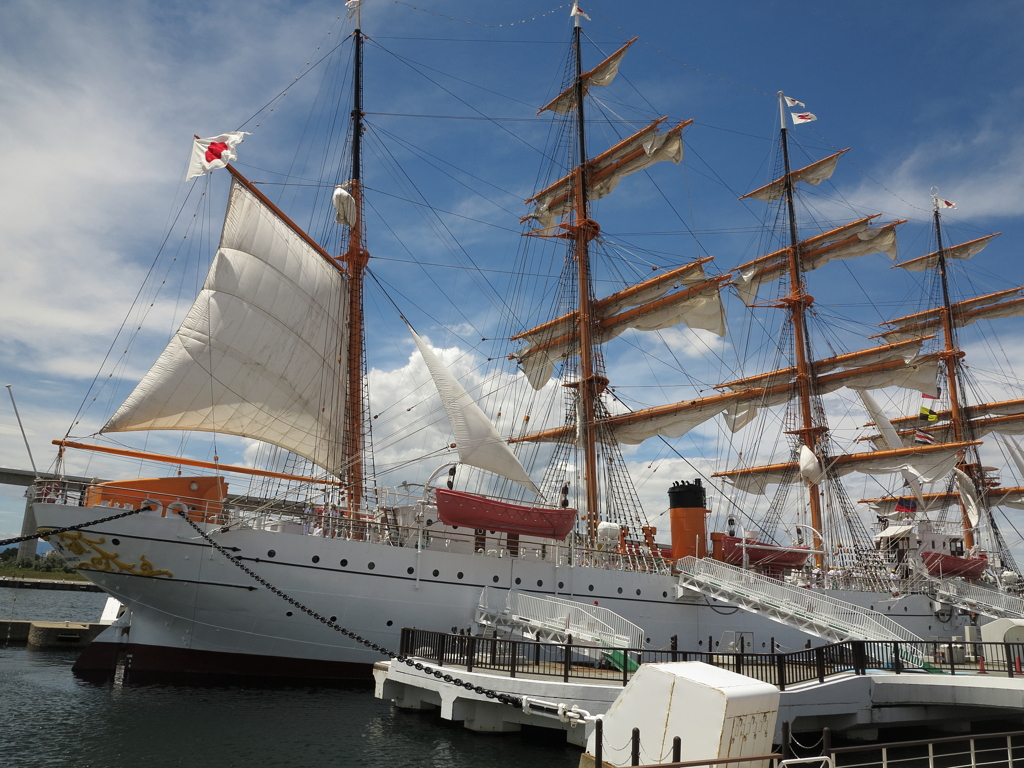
(760, 554)
(947, 566)
(472, 511)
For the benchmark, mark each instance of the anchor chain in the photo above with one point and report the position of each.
(504, 698)
(78, 527)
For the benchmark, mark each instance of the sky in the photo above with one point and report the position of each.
(101, 101)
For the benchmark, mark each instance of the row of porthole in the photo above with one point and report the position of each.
(460, 574)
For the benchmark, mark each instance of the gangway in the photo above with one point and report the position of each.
(555, 619)
(980, 599)
(805, 609)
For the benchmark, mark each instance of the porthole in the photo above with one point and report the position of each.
(271, 553)
(344, 563)
(116, 542)
(492, 532)
(518, 580)
(333, 619)
(763, 645)
(561, 585)
(540, 583)
(455, 527)
(410, 570)
(436, 573)
(664, 594)
(638, 593)
(371, 566)
(591, 587)
(700, 642)
(316, 558)
(904, 609)
(716, 643)
(390, 622)
(458, 575)
(648, 641)
(289, 613)
(494, 579)
(620, 590)
(193, 486)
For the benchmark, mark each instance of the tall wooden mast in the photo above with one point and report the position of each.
(797, 302)
(583, 231)
(355, 257)
(951, 355)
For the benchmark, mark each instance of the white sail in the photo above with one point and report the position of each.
(968, 496)
(962, 251)
(600, 75)
(813, 174)
(261, 352)
(476, 439)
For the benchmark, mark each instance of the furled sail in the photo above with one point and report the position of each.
(636, 153)
(962, 251)
(995, 497)
(926, 463)
(476, 439)
(602, 74)
(813, 174)
(846, 242)
(261, 352)
(656, 305)
(988, 307)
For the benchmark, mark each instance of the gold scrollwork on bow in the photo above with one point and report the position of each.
(78, 543)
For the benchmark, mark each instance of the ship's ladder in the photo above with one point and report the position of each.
(979, 599)
(809, 610)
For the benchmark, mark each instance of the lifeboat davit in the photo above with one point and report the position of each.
(945, 566)
(473, 511)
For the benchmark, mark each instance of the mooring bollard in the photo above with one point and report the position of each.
(634, 753)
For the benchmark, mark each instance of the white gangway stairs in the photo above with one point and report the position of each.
(980, 599)
(806, 609)
(554, 619)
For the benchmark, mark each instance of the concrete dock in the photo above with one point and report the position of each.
(49, 634)
(56, 584)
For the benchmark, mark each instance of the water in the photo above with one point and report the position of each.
(50, 718)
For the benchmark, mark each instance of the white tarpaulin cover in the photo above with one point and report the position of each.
(476, 439)
(261, 352)
(558, 199)
(344, 205)
(602, 74)
(962, 251)
(813, 174)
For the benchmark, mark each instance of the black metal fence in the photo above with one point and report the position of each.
(602, 664)
(987, 750)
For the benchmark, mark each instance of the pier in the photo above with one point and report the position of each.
(49, 634)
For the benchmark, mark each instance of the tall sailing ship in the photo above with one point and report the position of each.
(274, 350)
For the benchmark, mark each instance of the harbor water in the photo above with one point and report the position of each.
(51, 718)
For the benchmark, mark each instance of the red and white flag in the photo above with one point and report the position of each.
(944, 204)
(802, 117)
(210, 154)
(790, 102)
(577, 12)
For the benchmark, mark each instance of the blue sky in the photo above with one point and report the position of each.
(101, 100)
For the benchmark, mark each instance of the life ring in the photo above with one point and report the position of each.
(153, 505)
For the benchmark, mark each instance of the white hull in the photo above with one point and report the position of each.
(208, 607)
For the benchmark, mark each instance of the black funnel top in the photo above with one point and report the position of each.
(684, 495)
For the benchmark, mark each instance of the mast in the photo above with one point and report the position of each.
(951, 355)
(355, 256)
(797, 302)
(583, 231)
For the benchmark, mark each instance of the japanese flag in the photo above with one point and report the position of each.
(793, 102)
(210, 154)
(802, 117)
(944, 204)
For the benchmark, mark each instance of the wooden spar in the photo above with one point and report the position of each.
(904, 264)
(971, 411)
(616, 297)
(281, 215)
(975, 423)
(585, 76)
(959, 318)
(645, 414)
(960, 308)
(797, 301)
(836, 361)
(809, 242)
(176, 460)
(784, 179)
(583, 231)
(995, 496)
(356, 256)
(853, 458)
(567, 180)
(808, 257)
(623, 317)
